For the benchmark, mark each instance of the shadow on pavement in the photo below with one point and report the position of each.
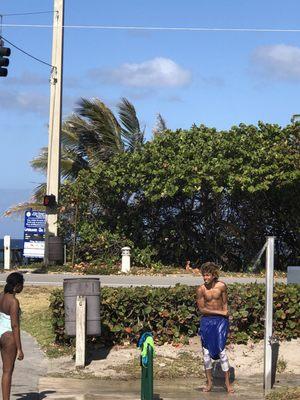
(218, 374)
(97, 354)
(275, 354)
(33, 395)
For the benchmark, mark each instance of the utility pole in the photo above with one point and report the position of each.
(55, 121)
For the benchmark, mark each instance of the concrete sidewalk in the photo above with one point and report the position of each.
(179, 389)
(246, 388)
(30, 382)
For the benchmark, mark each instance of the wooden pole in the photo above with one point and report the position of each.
(80, 331)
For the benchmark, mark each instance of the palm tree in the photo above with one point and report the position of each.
(90, 135)
(160, 126)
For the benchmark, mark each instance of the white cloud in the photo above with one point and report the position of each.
(24, 102)
(32, 102)
(28, 79)
(158, 72)
(279, 61)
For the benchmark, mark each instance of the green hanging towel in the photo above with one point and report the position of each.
(145, 341)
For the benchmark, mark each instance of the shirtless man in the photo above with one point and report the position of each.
(213, 330)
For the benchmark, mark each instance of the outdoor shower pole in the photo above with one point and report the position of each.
(269, 314)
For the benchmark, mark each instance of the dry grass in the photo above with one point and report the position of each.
(184, 366)
(34, 299)
(36, 319)
(285, 394)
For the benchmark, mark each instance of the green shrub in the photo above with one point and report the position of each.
(94, 246)
(171, 314)
(143, 257)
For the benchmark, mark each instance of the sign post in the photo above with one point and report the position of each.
(6, 252)
(34, 234)
(80, 331)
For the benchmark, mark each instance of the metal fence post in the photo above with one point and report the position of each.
(269, 314)
(147, 377)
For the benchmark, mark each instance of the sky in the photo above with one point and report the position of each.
(214, 78)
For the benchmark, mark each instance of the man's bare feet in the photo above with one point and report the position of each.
(207, 388)
(228, 385)
(230, 389)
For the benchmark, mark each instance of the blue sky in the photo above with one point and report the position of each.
(216, 78)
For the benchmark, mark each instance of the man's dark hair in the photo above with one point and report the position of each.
(210, 268)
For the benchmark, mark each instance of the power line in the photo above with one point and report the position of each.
(158, 28)
(29, 13)
(25, 52)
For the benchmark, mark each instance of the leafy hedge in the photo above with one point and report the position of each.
(171, 314)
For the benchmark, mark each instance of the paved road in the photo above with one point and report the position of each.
(128, 280)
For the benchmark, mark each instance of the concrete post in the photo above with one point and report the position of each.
(55, 121)
(80, 331)
(7, 252)
(125, 259)
(269, 314)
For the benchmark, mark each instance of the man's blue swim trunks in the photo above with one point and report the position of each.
(213, 331)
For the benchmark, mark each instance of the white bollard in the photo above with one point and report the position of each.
(80, 331)
(6, 252)
(125, 259)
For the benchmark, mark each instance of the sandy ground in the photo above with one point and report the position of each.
(247, 360)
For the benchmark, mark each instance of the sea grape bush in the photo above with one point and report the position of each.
(172, 316)
(197, 194)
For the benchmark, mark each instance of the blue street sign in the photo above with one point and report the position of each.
(34, 234)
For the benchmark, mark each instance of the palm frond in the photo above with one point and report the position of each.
(72, 162)
(160, 126)
(100, 133)
(69, 136)
(19, 209)
(40, 162)
(132, 134)
(39, 193)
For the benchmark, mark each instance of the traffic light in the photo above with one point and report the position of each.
(49, 200)
(4, 61)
